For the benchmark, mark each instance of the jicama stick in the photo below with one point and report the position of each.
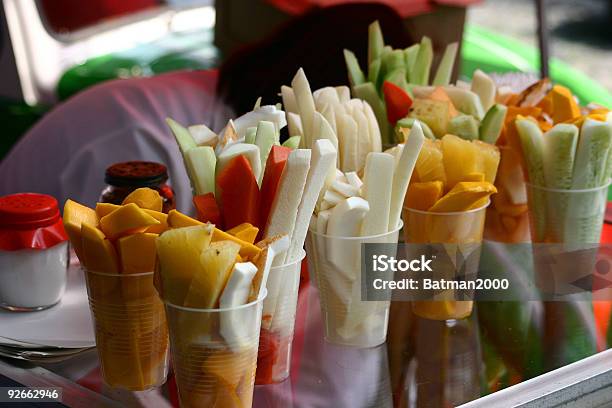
(379, 167)
(305, 104)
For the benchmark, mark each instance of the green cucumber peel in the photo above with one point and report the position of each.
(420, 71)
(447, 63)
(368, 93)
(558, 154)
(249, 136)
(465, 101)
(356, 76)
(398, 77)
(592, 155)
(464, 126)
(200, 163)
(183, 138)
(410, 56)
(493, 123)
(293, 142)
(376, 41)
(265, 137)
(408, 122)
(392, 61)
(374, 73)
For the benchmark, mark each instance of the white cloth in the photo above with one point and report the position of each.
(66, 153)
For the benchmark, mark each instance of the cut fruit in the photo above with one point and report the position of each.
(488, 156)
(145, 198)
(103, 209)
(293, 142)
(248, 251)
(465, 101)
(203, 136)
(430, 165)
(460, 158)
(439, 94)
(273, 172)
(177, 219)
(464, 196)
(128, 219)
(403, 128)
(251, 152)
(209, 280)
(484, 87)
(265, 138)
(163, 222)
(422, 196)
(436, 114)
(98, 254)
(474, 177)
(565, 106)
(137, 253)
(245, 232)
(75, 215)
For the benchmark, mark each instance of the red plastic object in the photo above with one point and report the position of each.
(402, 7)
(398, 102)
(208, 210)
(239, 193)
(30, 221)
(274, 170)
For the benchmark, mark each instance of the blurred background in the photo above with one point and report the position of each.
(53, 49)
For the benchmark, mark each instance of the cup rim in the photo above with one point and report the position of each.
(474, 210)
(219, 310)
(399, 227)
(562, 190)
(300, 258)
(122, 275)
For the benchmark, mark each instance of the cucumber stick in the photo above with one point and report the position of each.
(493, 123)
(559, 151)
(592, 155)
(249, 136)
(376, 42)
(201, 162)
(464, 126)
(407, 124)
(445, 69)
(410, 56)
(183, 138)
(265, 137)
(293, 142)
(356, 75)
(420, 71)
(374, 73)
(392, 61)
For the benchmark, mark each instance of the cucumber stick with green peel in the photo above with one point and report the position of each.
(376, 43)
(464, 126)
(408, 122)
(419, 74)
(592, 155)
(445, 69)
(249, 136)
(410, 56)
(559, 151)
(356, 75)
(293, 142)
(493, 123)
(374, 73)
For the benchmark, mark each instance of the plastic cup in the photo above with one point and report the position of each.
(214, 353)
(278, 323)
(130, 329)
(336, 263)
(571, 222)
(464, 231)
(507, 217)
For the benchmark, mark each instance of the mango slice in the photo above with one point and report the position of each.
(75, 215)
(98, 253)
(466, 195)
(478, 176)
(421, 196)
(125, 220)
(565, 106)
(137, 253)
(103, 209)
(177, 219)
(248, 251)
(245, 231)
(163, 222)
(145, 198)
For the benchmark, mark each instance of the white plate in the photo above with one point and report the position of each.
(67, 324)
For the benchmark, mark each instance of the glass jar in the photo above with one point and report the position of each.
(33, 252)
(123, 178)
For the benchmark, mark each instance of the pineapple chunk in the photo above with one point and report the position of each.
(460, 157)
(436, 114)
(137, 253)
(98, 253)
(430, 165)
(466, 195)
(145, 198)
(125, 220)
(488, 159)
(245, 232)
(216, 263)
(178, 251)
(75, 215)
(422, 196)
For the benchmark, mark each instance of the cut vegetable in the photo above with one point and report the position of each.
(420, 71)
(182, 136)
(264, 139)
(289, 101)
(492, 124)
(592, 154)
(274, 169)
(466, 101)
(239, 193)
(207, 208)
(464, 126)
(293, 142)
(367, 92)
(376, 42)
(251, 152)
(398, 102)
(558, 153)
(203, 136)
(445, 69)
(379, 166)
(201, 162)
(306, 105)
(404, 125)
(356, 76)
(484, 87)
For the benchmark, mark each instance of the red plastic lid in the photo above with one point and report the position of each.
(28, 210)
(30, 221)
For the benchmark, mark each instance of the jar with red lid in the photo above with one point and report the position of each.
(123, 178)
(33, 252)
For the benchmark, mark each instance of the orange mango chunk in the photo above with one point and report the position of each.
(422, 196)
(103, 209)
(128, 219)
(466, 195)
(98, 253)
(137, 253)
(245, 231)
(163, 222)
(476, 176)
(177, 219)
(145, 198)
(75, 215)
(565, 106)
(248, 251)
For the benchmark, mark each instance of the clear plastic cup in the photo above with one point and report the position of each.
(214, 353)
(507, 217)
(130, 329)
(278, 322)
(336, 263)
(464, 230)
(570, 222)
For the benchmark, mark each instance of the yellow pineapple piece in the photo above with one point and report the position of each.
(178, 251)
(435, 113)
(488, 159)
(421, 196)
(145, 198)
(460, 158)
(430, 164)
(245, 231)
(137, 253)
(128, 219)
(209, 280)
(98, 253)
(75, 215)
(466, 195)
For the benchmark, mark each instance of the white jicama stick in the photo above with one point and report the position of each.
(295, 124)
(325, 96)
(323, 159)
(203, 136)
(289, 101)
(353, 179)
(305, 104)
(251, 152)
(328, 114)
(403, 172)
(288, 196)
(333, 197)
(347, 143)
(364, 145)
(484, 87)
(324, 130)
(375, 138)
(251, 119)
(322, 220)
(273, 251)
(379, 167)
(236, 293)
(346, 189)
(344, 93)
